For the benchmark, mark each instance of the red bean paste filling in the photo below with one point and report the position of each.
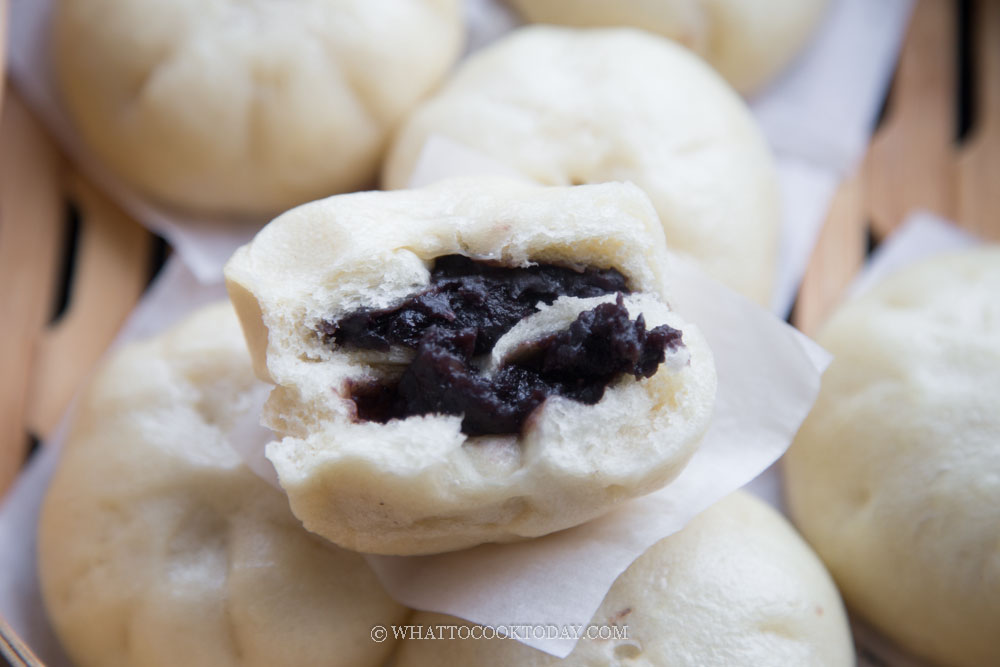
(467, 308)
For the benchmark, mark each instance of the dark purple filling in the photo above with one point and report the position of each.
(467, 308)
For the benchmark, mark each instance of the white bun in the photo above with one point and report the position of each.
(895, 476)
(157, 546)
(567, 106)
(737, 586)
(420, 485)
(247, 108)
(747, 41)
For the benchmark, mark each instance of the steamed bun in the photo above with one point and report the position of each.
(158, 546)
(895, 475)
(247, 108)
(424, 483)
(747, 41)
(737, 586)
(566, 106)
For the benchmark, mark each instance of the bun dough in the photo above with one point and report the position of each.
(157, 546)
(737, 586)
(420, 485)
(583, 106)
(247, 108)
(747, 41)
(895, 476)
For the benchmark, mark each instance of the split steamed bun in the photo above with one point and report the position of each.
(158, 546)
(895, 476)
(747, 41)
(737, 586)
(420, 484)
(247, 108)
(569, 106)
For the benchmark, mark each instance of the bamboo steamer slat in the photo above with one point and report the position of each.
(914, 161)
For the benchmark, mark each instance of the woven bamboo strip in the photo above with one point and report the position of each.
(111, 271)
(31, 227)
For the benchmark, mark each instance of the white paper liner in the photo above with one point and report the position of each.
(818, 117)
(922, 235)
(768, 379)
